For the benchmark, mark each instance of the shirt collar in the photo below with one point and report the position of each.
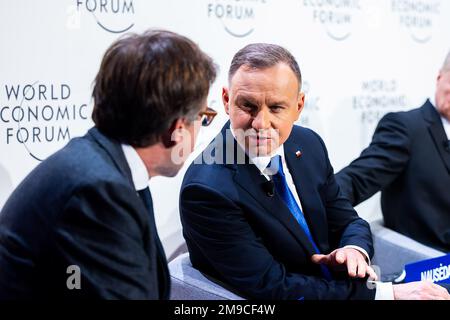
(445, 122)
(262, 162)
(138, 170)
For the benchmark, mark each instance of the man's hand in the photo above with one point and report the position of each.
(420, 290)
(355, 261)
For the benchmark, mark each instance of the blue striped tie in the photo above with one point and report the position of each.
(285, 193)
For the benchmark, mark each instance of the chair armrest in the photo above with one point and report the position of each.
(187, 283)
(393, 250)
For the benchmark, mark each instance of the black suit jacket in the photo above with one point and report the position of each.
(250, 241)
(409, 161)
(79, 207)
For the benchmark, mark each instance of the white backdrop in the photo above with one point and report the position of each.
(359, 59)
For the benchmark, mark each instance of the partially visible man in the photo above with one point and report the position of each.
(260, 208)
(408, 160)
(87, 211)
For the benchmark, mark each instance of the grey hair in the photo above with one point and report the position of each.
(261, 56)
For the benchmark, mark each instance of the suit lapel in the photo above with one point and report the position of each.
(250, 179)
(305, 189)
(163, 271)
(437, 132)
(117, 156)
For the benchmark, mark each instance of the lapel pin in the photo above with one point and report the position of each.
(298, 153)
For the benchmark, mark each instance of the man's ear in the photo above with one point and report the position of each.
(173, 135)
(226, 99)
(300, 103)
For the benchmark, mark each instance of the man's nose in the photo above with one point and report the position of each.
(261, 120)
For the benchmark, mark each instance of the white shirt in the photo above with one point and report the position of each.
(139, 172)
(445, 121)
(446, 125)
(262, 162)
(384, 291)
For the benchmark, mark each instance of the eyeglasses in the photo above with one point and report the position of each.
(207, 116)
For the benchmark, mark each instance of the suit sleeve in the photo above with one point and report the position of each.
(345, 227)
(380, 163)
(217, 229)
(101, 232)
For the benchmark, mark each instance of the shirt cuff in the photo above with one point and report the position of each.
(364, 252)
(385, 291)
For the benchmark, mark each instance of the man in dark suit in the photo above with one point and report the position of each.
(81, 224)
(408, 160)
(260, 208)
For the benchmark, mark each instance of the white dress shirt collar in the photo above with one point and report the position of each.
(139, 172)
(262, 162)
(445, 122)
